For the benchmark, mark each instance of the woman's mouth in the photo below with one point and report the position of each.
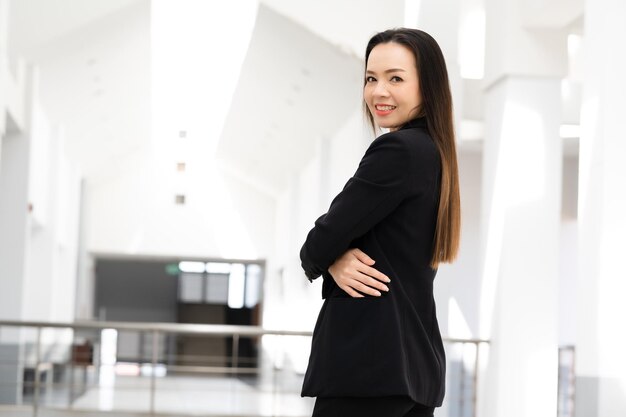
(384, 109)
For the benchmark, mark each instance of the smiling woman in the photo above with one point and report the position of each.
(392, 95)
(376, 347)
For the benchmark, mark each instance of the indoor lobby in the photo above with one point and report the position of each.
(162, 162)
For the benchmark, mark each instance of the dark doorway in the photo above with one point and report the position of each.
(141, 290)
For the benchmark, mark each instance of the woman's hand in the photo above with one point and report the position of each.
(352, 271)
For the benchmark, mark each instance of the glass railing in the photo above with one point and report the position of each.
(50, 369)
(567, 382)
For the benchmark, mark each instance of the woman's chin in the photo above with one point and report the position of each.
(388, 123)
(390, 126)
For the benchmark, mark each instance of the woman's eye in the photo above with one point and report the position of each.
(396, 78)
(370, 79)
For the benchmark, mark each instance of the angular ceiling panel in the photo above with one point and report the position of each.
(294, 87)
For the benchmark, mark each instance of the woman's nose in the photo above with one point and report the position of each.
(381, 90)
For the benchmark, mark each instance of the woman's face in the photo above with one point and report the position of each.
(392, 90)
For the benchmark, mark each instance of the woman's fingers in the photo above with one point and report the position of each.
(363, 257)
(374, 273)
(365, 274)
(350, 285)
(353, 272)
(365, 284)
(366, 261)
(351, 292)
(365, 289)
(369, 281)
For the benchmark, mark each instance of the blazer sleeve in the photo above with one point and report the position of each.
(376, 189)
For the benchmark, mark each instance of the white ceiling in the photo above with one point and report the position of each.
(94, 62)
(328, 19)
(288, 71)
(36, 23)
(96, 82)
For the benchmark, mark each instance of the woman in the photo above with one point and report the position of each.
(376, 348)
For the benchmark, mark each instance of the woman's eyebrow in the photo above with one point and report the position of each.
(387, 71)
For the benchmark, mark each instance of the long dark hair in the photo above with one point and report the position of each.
(437, 109)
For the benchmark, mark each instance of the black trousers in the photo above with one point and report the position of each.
(391, 406)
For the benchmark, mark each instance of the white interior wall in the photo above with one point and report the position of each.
(346, 148)
(37, 282)
(4, 18)
(14, 223)
(457, 284)
(66, 202)
(291, 301)
(38, 219)
(50, 278)
(121, 219)
(257, 211)
(568, 272)
(568, 261)
(285, 302)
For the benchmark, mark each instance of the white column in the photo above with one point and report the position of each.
(601, 341)
(520, 224)
(522, 160)
(14, 240)
(4, 20)
(441, 19)
(13, 221)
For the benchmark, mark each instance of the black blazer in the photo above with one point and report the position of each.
(388, 344)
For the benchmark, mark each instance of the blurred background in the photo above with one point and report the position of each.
(161, 163)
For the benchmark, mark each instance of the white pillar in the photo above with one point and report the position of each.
(14, 240)
(441, 20)
(14, 172)
(4, 20)
(14, 221)
(522, 160)
(601, 341)
(521, 213)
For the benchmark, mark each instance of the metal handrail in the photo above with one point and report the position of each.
(186, 328)
(178, 328)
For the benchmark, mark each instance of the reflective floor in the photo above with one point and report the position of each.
(275, 394)
(226, 396)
